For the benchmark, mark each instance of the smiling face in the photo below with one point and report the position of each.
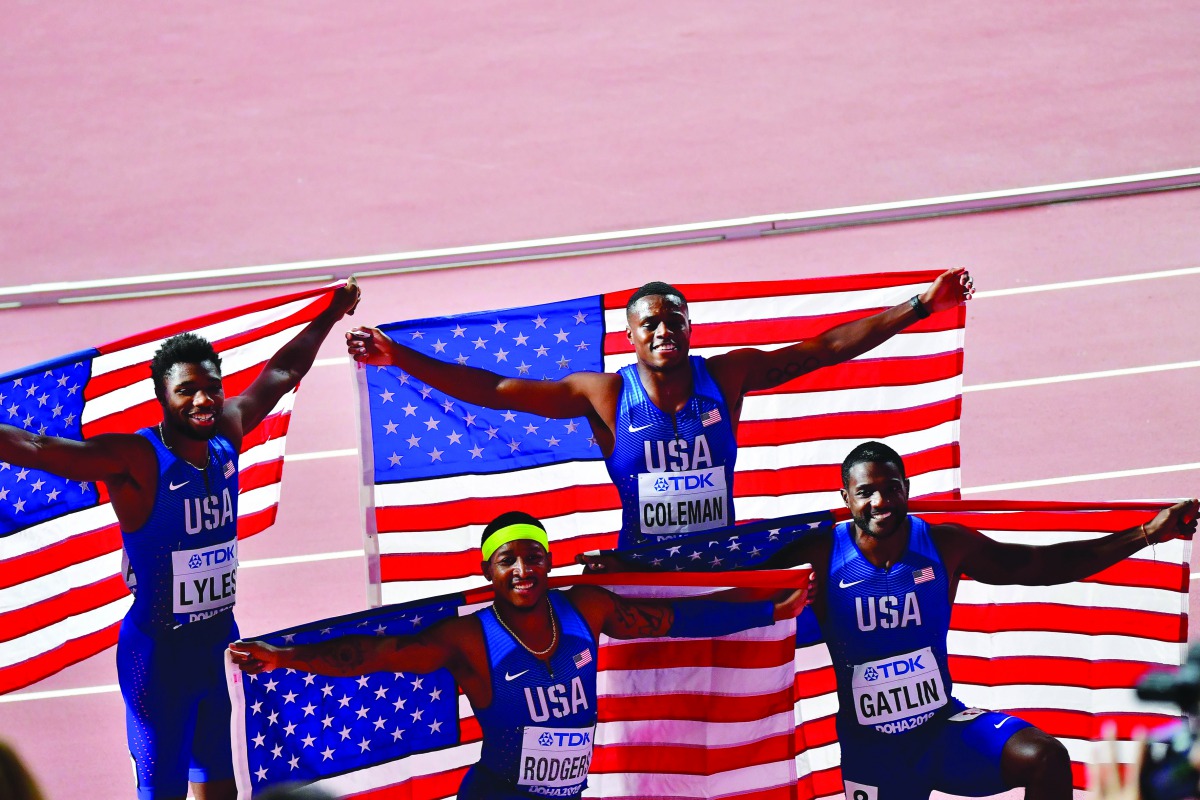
(660, 331)
(518, 572)
(192, 398)
(876, 493)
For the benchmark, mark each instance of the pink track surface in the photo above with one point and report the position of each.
(187, 139)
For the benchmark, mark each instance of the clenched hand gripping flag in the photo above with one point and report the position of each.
(61, 591)
(1062, 657)
(437, 470)
(413, 736)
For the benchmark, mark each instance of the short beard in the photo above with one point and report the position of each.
(863, 523)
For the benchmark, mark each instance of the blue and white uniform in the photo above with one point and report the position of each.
(673, 472)
(538, 730)
(170, 653)
(902, 732)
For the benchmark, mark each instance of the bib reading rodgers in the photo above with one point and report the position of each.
(898, 693)
(555, 761)
(671, 503)
(204, 580)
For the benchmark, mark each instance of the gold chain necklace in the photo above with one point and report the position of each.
(184, 460)
(539, 654)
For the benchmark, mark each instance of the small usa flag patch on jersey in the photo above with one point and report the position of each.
(583, 658)
(711, 417)
(228, 469)
(923, 575)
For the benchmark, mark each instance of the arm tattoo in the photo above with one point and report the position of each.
(791, 370)
(643, 620)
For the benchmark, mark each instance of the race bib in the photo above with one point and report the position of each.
(683, 502)
(204, 581)
(555, 761)
(898, 693)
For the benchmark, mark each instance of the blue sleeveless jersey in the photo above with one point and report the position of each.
(538, 730)
(674, 473)
(886, 631)
(184, 559)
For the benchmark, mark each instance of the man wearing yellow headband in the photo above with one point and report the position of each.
(527, 664)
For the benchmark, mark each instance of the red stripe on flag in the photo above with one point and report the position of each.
(1046, 671)
(698, 707)
(265, 473)
(997, 618)
(852, 425)
(78, 600)
(481, 510)
(873, 373)
(424, 787)
(789, 480)
(34, 669)
(60, 555)
(701, 292)
(434, 566)
(259, 521)
(689, 760)
(697, 654)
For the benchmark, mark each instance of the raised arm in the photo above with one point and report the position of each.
(755, 369)
(352, 655)
(284, 370)
(989, 561)
(579, 394)
(625, 618)
(109, 457)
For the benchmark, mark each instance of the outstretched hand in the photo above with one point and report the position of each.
(795, 602)
(1176, 522)
(369, 345)
(346, 297)
(254, 657)
(595, 562)
(952, 287)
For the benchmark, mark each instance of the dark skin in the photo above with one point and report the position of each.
(659, 329)
(876, 494)
(518, 572)
(194, 409)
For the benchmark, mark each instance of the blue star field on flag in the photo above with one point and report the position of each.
(45, 399)
(301, 726)
(420, 432)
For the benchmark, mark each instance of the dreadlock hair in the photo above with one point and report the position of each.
(510, 518)
(871, 453)
(183, 348)
(654, 288)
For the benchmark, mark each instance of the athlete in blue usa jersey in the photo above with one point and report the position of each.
(174, 491)
(673, 472)
(884, 610)
(527, 664)
(660, 421)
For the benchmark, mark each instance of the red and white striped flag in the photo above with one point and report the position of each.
(438, 470)
(61, 592)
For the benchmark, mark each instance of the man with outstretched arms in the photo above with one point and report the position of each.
(666, 424)
(887, 583)
(174, 490)
(527, 664)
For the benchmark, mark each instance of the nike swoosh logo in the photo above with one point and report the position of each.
(639, 428)
(508, 677)
(1001, 722)
(844, 585)
(175, 486)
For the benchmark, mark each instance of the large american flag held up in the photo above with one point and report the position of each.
(437, 470)
(1062, 657)
(414, 736)
(61, 591)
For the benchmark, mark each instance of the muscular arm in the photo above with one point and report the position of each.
(989, 561)
(354, 655)
(108, 457)
(284, 370)
(758, 369)
(578, 394)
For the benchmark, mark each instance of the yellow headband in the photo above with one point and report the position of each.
(511, 533)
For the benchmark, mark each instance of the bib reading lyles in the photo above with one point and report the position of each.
(204, 579)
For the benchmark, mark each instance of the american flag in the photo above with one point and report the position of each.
(61, 592)
(408, 735)
(1061, 657)
(437, 470)
(923, 575)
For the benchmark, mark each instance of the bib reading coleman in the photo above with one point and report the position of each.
(673, 472)
(183, 561)
(538, 730)
(886, 631)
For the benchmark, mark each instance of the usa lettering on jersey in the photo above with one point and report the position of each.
(207, 513)
(555, 701)
(887, 612)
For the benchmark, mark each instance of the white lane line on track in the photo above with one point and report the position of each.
(1095, 476)
(21, 697)
(286, 560)
(1081, 376)
(1085, 283)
